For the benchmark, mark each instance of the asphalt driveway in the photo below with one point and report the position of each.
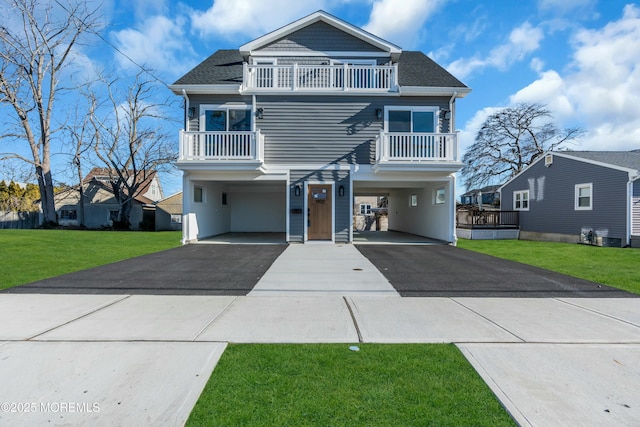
(447, 271)
(186, 270)
(413, 270)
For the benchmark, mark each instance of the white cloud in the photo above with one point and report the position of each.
(397, 22)
(601, 90)
(157, 42)
(252, 18)
(565, 6)
(523, 40)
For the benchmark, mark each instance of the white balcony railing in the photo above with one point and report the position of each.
(221, 146)
(416, 147)
(336, 78)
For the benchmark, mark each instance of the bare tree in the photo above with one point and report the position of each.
(509, 141)
(130, 138)
(36, 42)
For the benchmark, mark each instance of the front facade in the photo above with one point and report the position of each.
(282, 134)
(590, 197)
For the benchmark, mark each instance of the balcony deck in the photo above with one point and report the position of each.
(320, 78)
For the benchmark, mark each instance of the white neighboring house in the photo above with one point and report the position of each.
(282, 133)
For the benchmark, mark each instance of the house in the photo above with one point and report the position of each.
(101, 207)
(588, 197)
(487, 197)
(370, 213)
(169, 213)
(282, 133)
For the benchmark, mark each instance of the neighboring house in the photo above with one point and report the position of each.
(578, 196)
(489, 197)
(101, 207)
(282, 133)
(370, 213)
(169, 213)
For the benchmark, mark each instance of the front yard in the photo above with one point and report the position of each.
(616, 267)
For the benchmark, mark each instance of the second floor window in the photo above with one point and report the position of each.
(411, 120)
(227, 119)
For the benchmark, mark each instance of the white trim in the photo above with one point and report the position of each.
(319, 53)
(459, 92)
(522, 192)
(288, 209)
(323, 16)
(205, 89)
(269, 60)
(348, 61)
(576, 206)
(305, 210)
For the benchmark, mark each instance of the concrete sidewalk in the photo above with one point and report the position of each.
(144, 359)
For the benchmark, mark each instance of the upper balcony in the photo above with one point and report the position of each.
(419, 150)
(320, 78)
(231, 149)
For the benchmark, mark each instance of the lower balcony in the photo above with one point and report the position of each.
(222, 147)
(417, 150)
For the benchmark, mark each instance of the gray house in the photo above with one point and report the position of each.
(588, 197)
(281, 135)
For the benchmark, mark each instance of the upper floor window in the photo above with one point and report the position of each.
(411, 119)
(521, 200)
(223, 118)
(584, 197)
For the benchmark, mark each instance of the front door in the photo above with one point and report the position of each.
(320, 212)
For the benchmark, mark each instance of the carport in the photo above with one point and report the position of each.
(420, 208)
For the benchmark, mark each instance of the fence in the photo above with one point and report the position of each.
(19, 220)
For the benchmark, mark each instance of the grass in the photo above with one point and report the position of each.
(329, 385)
(616, 267)
(29, 255)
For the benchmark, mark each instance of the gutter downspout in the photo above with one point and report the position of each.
(451, 112)
(629, 226)
(186, 110)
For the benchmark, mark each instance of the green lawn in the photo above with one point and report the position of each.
(617, 267)
(330, 385)
(29, 255)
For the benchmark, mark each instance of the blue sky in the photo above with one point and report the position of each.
(579, 57)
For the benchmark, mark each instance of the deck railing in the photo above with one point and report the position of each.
(345, 77)
(221, 146)
(473, 218)
(416, 147)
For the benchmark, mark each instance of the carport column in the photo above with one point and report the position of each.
(186, 206)
(452, 209)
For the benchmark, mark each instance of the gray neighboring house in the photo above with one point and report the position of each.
(281, 134)
(588, 197)
(169, 213)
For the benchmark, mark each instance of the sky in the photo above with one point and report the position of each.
(580, 58)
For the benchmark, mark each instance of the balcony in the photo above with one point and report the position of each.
(320, 78)
(416, 148)
(226, 147)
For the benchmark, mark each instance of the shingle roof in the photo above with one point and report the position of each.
(225, 67)
(417, 69)
(625, 159)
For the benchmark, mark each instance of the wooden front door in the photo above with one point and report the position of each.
(320, 212)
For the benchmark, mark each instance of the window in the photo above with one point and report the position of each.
(584, 196)
(413, 200)
(198, 195)
(411, 120)
(365, 209)
(222, 119)
(68, 214)
(521, 200)
(439, 196)
(176, 219)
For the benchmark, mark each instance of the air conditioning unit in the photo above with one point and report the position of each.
(548, 160)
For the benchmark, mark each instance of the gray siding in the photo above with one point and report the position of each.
(322, 60)
(552, 204)
(328, 129)
(320, 37)
(342, 204)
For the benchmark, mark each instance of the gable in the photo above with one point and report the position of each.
(320, 37)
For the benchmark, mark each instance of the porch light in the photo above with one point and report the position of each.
(341, 191)
(192, 112)
(379, 113)
(446, 114)
(259, 113)
(297, 190)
